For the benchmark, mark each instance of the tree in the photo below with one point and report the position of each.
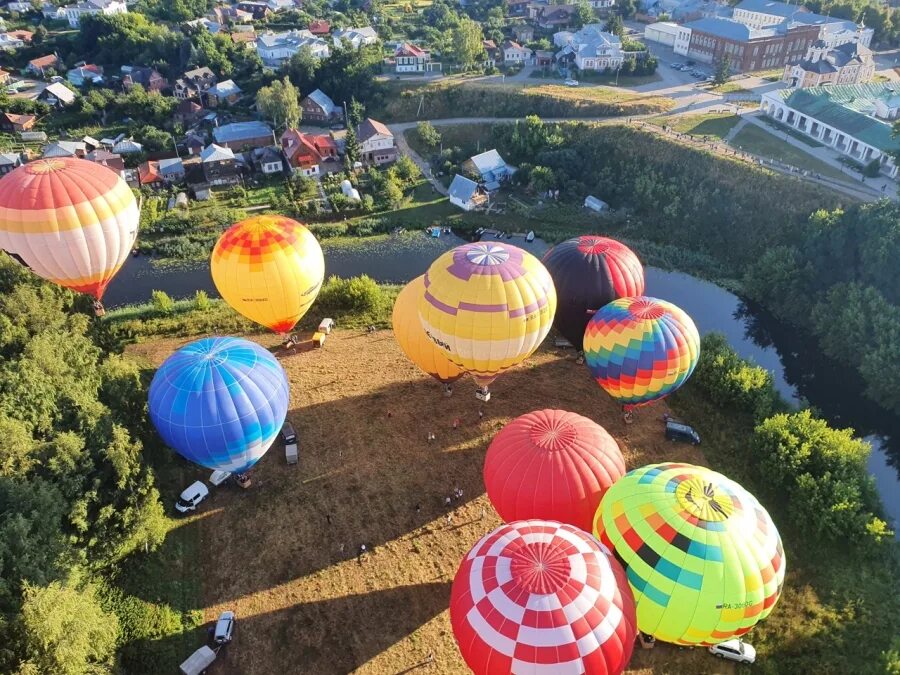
(302, 69)
(627, 8)
(467, 42)
(428, 135)
(351, 146)
(722, 71)
(542, 178)
(391, 194)
(584, 13)
(615, 25)
(356, 112)
(39, 36)
(406, 170)
(280, 102)
(66, 630)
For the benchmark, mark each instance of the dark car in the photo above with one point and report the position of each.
(676, 431)
(287, 434)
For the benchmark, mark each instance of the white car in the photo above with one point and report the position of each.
(191, 497)
(734, 650)
(224, 628)
(218, 477)
(571, 83)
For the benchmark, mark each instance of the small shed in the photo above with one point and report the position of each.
(181, 200)
(318, 339)
(594, 204)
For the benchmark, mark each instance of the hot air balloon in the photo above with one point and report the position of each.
(219, 402)
(588, 273)
(536, 596)
(553, 465)
(641, 349)
(489, 306)
(703, 557)
(412, 339)
(270, 269)
(71, 221)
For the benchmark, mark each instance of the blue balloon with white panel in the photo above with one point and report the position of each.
(220, 402)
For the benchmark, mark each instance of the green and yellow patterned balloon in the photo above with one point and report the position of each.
(703, 558)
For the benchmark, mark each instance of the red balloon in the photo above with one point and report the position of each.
(536, 596)
(551, 464)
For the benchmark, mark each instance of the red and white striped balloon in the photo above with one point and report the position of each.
(542, 598)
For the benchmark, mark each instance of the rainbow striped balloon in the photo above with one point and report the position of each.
(71, 221)
(703, 557)
(488, 305)
(641, 349)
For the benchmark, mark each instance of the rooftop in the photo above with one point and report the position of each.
(238, 131)
(216, 153)
(462, 188)
(323, 101)
(728, 28)
(369, 127)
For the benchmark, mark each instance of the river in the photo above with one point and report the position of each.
(798, 370)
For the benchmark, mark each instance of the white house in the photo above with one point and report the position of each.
(514, 53)
(466, 194)
(490, 167)
(107, 7)
(852, 119)
(357, 37)
(276, 48)
(408, 58)
(376, 142)
(589, 49)
(602, 4)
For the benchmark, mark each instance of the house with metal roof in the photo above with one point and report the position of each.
(237, 135)
(849, 63)
(318, 107)
(589, 48)
(854, 119)
(490, 167)
(219, 165)
(832, 30)
(127, 146)
(276, 48)
(223, 93)
(466, 194)
(9, 161)
(171, 169)
(64, 149)
(57, 94)
(357, 37)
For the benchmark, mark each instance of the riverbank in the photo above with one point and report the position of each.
(282, 554)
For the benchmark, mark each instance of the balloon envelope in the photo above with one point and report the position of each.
(73, 222)
(703, 557)
(220, 402)
(588, 273)
(537, 596)
(553, 465)
(641, 349)
(411, 337)
(270, 269)
(488, 305)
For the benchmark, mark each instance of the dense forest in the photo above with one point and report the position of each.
(828, 269)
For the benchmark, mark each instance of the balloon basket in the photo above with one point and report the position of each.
(483, 395)
(580, 359)
(99, 309)
(448, 390)
(243, 480)
(647, 641)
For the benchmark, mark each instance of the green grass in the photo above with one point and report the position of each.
(784, 128)
(754, 140)
(730, 88)
(551, 74)
(716, 125)
(467, 137)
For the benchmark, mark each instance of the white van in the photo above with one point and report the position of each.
(198, 662)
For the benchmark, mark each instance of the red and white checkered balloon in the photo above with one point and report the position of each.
(539, 597)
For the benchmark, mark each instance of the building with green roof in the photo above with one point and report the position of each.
(854, 119)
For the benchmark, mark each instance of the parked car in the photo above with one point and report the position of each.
(676, 431)
(224, 628)
(191, 497)
(734, 650)
(218, 477)
(289, 436)
(676, 66)
(571, 83)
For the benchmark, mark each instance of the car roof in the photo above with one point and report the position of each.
(678, 425)
(197, 486)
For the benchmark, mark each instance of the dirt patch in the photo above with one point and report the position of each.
(282, 554)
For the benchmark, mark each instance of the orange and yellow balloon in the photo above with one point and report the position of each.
(488, 306)
(270, 269)
(73, 222)
(417, 346)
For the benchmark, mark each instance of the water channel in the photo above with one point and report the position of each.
(799, 371)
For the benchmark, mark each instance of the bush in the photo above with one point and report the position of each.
(162, 302)
(359, 294)
(201, 300)
(732, 381)
(328, 230)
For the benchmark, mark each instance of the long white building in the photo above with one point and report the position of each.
(276, 48)
(90, 7)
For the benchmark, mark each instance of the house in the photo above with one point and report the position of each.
(376, 142)
(466, 194)
(64, 149)
(9, 161)
(15, 39)
(748, 48)
(553, 16)
(42, 64)
(223, 93)
(17, 6)
(849, 63)
(357, 37)
(833, 31)
(57, 94)
(108, 159)
(194, 143)
(589, 49)
(490, 169)
(171, 169)
(276, 48)
(88, 73)
(148, 174)
(244, 37)
(239, 135)
(223, 14)
(4, 77)
(318, 107)
(219, 165)
(187, 112)
(852, 119)
(127, 146)
(149, 78)
(268, 160)
(518, 7)
(93, 7)
(408, 58)
(194, 83)
(594, 204)
(492, 52)
(53, 12)
(311, 154)
(319, 27)
(11, 122)
(514, 53)
(257, 10)
(280, 5)
(523, 32)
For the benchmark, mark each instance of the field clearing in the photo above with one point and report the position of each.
(283, 553)
(754, 140)
(716, 125)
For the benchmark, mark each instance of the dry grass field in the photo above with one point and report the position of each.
(283, 553)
